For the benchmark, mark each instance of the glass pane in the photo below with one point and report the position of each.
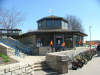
(57, 23)
(45, 39)
(68, 41)
(39, 24)
(63, 24)
(49, 22)
(78, 40)
(42, 23)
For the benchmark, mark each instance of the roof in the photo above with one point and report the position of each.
(10, 29)
(52, 17)
(52, 31)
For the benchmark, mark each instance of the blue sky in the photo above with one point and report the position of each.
(87, 10)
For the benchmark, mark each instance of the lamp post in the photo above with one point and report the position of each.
(90, 36)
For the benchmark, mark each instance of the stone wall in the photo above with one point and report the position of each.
(18, 69)
(51, 57)
(6, 50)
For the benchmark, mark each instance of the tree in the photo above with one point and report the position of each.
(74, 23)
(9, 19)
(30, 30)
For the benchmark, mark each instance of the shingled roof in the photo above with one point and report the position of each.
(52, 31)
(52, 17)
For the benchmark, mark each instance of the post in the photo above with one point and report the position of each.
(62, 64)
(73, 41)
(90, 36)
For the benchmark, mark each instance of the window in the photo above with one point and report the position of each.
(42, 23)
(77, 40)
(57, 23)
(63, 24)
(68, 41)
(44, 40)
(49, 22)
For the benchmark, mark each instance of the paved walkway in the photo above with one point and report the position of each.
(27, 59)
(92, 68)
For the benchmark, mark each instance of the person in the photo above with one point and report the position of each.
(98, 49)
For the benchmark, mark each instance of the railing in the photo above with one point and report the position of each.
(17, 46)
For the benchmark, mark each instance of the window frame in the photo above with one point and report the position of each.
(39, 24)
(63, 23)
(42, 23)
(66, 24)
(47, 22)
(59, 23)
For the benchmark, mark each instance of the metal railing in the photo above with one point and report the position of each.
(18, 46)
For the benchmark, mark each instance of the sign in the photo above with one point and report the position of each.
(58, 36)
(37, 38)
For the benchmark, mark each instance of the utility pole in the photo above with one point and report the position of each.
(90, 36)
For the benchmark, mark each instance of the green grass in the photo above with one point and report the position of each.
(6, 58)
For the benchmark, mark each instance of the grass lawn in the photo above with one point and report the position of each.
(4, 60)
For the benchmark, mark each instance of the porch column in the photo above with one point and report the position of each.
(74, 41)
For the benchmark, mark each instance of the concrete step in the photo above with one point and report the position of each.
(41, 68)
(40, 62)
(41, 65)
(22, 54)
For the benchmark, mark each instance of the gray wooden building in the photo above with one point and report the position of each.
(52, 28)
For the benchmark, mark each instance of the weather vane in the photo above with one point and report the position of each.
(51, 10)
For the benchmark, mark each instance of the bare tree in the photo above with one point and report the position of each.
(9, 19)
(74, 23)
(30, 30)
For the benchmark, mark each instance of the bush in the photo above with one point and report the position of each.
(6, 58)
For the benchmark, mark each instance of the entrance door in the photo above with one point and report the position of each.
(58, 42)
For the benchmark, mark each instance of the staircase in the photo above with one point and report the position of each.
(19, 47)
(41, 65)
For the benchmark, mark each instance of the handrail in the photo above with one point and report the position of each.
(24, 45)
(16, 45)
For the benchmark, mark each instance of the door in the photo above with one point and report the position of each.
(58, 42)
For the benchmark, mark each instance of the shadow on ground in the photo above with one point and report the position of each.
(46, 72)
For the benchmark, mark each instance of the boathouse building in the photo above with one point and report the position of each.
(55, 29)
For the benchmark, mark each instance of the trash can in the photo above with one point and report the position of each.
(62, 64)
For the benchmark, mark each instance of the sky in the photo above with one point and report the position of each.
(87, 10)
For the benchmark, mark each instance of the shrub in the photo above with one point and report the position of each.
(6, 58)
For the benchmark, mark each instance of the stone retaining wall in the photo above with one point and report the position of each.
(6, 50)
(51, 57)
(17, 69)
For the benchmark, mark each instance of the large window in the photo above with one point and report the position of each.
(68, 41)
(44, 40)
(57, 23)
(63, 24)
(39, 24)
(42, 23)
(49, 23)
(78, 40)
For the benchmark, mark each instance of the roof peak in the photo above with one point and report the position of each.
(53, 16)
